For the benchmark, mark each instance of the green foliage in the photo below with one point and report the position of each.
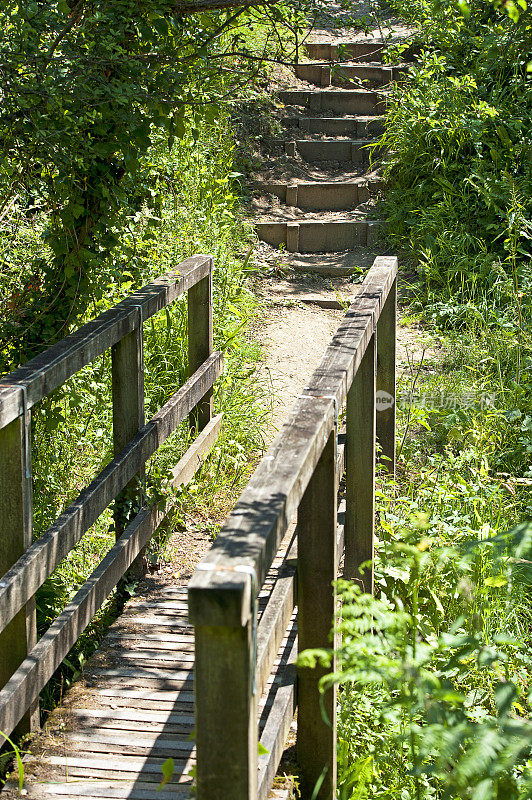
(72, 429)
(89, 90)
(168, 772)
(459, 172)
(18, 757)
(423, 667)
(431, 709)
(435, 672)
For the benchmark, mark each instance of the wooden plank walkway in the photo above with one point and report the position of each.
(133, 708)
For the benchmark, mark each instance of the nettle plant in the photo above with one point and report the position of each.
(431, 708)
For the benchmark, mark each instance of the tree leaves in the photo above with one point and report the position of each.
(86, 90)
(168, 769)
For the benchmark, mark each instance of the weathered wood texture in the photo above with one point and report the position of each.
(25, 665)
(386, 367)
(316, 572)
(342, 358)
(200, 335)
(298, 472)
(135, 706)
(278, 718)
(276, 617)
(54, 366)
(40, 559)
(16, 522)
(127, 359)
(23, 688)
(227, 758)
(254, 529)
(360, 472)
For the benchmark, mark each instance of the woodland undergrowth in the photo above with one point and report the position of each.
(435, 671)
(72, 429)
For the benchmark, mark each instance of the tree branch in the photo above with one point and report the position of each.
(75, 16)
(197, 6)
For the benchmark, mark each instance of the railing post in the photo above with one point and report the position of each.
(200, 343)
(317, 569)
(360, 471)
(128, 417)
(226, 713)
(386, 399)
(16, 524)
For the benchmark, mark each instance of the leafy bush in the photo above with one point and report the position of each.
(428, 708)
(435, 670)
(88, 90)
(459, 170)
(72, 429)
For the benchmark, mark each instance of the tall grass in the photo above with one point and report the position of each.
(435, 671)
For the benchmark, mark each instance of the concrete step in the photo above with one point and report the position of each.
(318, 236)
(341, 101)
(345, 75)
(372, 75)
(271, 210)
(355, 150)
(359, 51)
(360, 127)
(280, 168)
(323, 196)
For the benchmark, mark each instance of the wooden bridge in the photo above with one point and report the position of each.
(199, 674)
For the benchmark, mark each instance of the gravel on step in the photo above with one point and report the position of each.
(291, 167)
(271, 211)
(345, 263)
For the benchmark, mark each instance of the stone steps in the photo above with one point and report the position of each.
(318, 236)
(344, 75)
(332, 130)
(322, 195)
(341, 101)
(280, 168)
(358, 127)
(320, 300)
(355, 150)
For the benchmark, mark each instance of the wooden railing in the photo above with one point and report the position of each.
(26, 664)
(299, 474)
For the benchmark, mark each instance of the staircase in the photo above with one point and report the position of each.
(332, 130)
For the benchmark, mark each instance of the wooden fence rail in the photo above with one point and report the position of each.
(299, 474)
(25, 663)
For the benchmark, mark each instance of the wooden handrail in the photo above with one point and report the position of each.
(21, 582)
(21, 389)
(25, 664)
(297, 475)
(254, 529)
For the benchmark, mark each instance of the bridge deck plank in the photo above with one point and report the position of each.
(134, 706)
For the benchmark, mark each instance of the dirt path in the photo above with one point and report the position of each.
(294, 339)
(303, 306)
